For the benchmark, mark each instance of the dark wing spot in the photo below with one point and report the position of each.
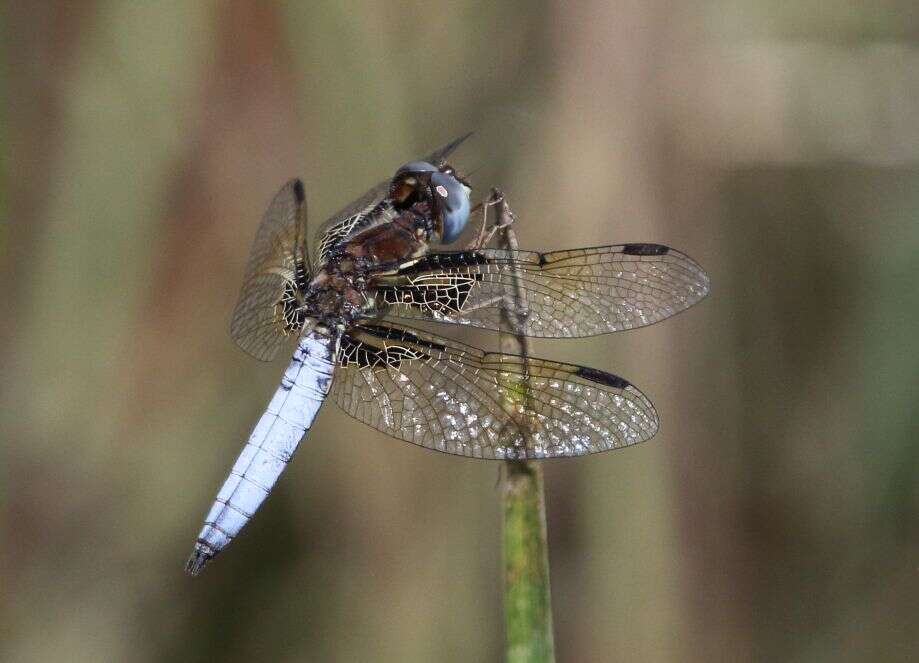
(645, 249)
(298, 191)
(602, 377)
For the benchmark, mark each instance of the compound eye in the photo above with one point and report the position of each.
(416, 167)
(404, 186)
(453, 203)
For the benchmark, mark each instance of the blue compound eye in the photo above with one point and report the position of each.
(416, 167)
(453, 202)
(405, 183)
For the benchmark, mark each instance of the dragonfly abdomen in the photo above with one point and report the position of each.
(270, 447)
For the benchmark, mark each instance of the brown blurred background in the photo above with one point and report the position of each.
(773, 518)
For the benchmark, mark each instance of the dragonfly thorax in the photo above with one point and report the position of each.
(335, 297)
(341, 291)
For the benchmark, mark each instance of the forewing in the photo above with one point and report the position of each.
(277, 261)
(454, 398)
(347, 221)
(572, 293)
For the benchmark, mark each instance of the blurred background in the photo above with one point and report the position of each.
(773, 518)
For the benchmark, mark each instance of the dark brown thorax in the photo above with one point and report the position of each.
(340, 289)
(390, 243)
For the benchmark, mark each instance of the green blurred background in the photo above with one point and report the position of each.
(773, 518)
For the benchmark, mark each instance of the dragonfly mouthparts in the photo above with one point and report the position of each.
(200, 556)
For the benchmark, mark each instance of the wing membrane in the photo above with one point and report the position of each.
(277, 262)
(573, 293)
(447, 396)
(347, 221)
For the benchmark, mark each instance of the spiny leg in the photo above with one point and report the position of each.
(505, 218)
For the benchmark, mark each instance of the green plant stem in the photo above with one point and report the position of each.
(527, 604)
(527, 601)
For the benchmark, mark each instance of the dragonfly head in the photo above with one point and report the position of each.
(447, 192)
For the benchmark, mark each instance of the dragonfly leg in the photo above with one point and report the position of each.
(490, 303)
(516, 323)
(505, 217)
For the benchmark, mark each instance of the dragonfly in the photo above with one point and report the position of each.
(373, 273)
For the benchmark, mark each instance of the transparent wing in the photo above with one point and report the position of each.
(278, 261)
(457, 399)
(347, 221)
(578, 292)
